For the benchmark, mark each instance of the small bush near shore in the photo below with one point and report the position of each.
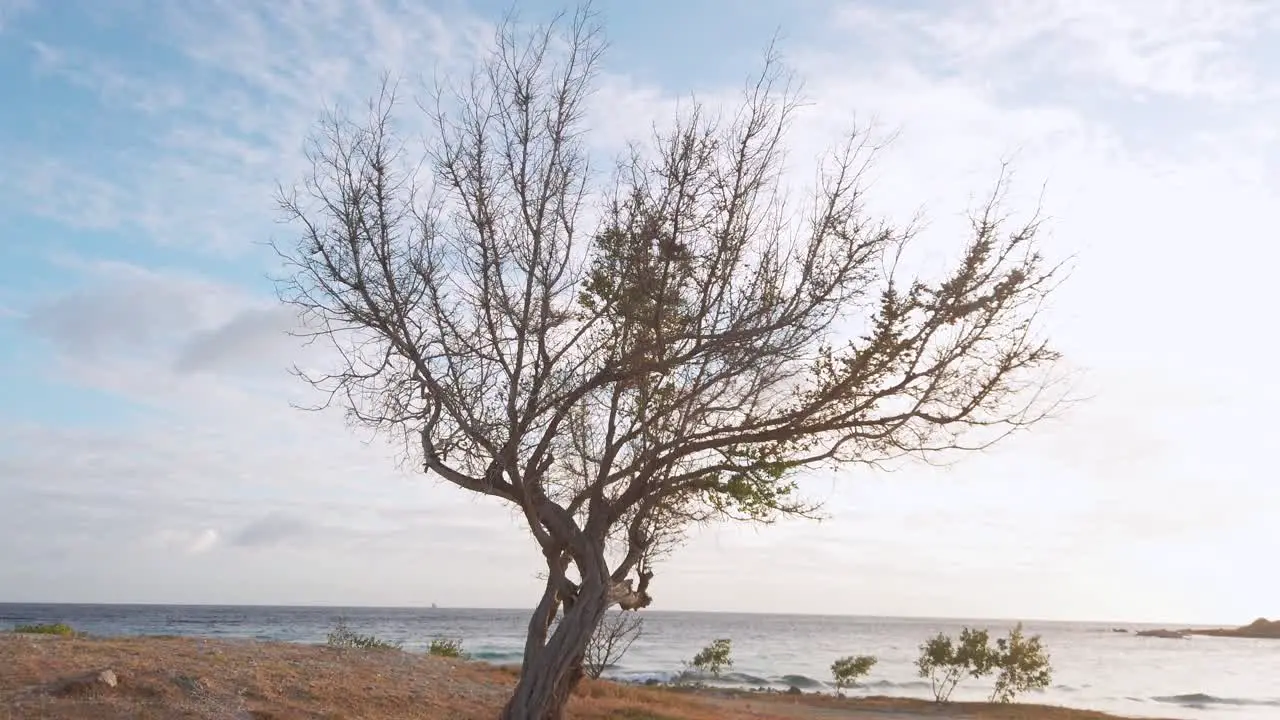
(1023, 663)
(712, 660)
(848, 670)
(944, 662)
(446, 647)
(62, 629)
(344, 637)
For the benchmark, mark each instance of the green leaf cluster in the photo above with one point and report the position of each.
(714, 658)
(760, 489)
(61, 629)
(846, 671)
(446, 647)
(1024, 665)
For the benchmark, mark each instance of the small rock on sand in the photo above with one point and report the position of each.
(88, 682)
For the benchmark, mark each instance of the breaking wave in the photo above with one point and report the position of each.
(910, 684)
(804, 682)
(738, 679)
(497, 657)
(1200, 701)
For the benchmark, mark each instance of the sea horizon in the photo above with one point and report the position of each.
(498, 608)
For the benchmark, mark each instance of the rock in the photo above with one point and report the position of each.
(1169, 634)
(89, 682)
(1261, 628)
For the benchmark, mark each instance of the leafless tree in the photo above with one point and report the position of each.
(617, 356)
(611, 641)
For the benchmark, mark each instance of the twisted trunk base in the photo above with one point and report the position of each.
(552, 670)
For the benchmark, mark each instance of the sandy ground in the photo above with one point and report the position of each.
(161, 678)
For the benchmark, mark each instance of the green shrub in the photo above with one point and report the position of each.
(848, 670)
(445, 647)
(714, 658)
(344, 637)
(62, 629)
(1023, 663)
(944, 662)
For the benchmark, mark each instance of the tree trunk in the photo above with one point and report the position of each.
(540, 621)
(552, 671)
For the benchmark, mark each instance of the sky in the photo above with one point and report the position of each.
(150, 452)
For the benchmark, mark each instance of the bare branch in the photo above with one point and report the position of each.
(611, 641)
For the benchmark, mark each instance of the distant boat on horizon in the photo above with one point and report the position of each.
(433, 606)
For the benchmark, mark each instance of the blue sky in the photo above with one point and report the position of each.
(148, 451)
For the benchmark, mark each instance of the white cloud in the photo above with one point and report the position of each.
(127, 309)
(204, 541)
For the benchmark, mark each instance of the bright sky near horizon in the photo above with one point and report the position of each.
(148, 451)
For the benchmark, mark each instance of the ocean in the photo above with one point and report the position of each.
(1094, 666)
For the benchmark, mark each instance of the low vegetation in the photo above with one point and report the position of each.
(446, 647)
(1022, 663)
(212, 678)
(847, 671)
(344, 637)
(62, 629)
(945, 662)
(711, 660)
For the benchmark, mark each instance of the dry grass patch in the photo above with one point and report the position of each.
(51, 677)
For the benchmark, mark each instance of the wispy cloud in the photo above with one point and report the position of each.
(1200, 49)
(99, 75)
(227, 110)
(10, 10)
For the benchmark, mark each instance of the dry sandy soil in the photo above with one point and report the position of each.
(59, 677)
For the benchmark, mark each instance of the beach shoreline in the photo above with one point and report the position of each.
(162, 677)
